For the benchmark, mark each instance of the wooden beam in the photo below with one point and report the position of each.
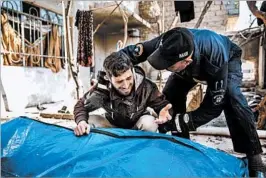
(57, 116)
(261, 68)
(204, 11)
(222, 131)
(99, 25)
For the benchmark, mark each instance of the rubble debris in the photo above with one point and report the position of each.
(221, 131)
(261, 108)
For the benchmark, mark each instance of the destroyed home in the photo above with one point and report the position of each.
(53, 51)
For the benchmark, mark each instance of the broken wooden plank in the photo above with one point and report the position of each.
(57, 116)
(221, 131)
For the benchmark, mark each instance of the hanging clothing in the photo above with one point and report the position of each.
(185, 9)
(53, 50)
(10, 42)
(84, 23)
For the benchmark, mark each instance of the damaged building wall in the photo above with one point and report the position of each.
(215, 19)
(251, 54)
(26, 86)
(219, 16)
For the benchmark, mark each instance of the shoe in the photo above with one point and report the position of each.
(258, 174)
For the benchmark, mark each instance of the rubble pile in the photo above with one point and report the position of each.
(256, 101)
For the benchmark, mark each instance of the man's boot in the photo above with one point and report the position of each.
(256, 167)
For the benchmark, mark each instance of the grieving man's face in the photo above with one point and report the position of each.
(181, 65)
(123, 83)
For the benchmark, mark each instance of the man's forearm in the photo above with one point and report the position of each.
(138, 53)
(80, 112)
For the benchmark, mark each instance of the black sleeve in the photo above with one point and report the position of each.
(88, 103)
(80, 112)
(148, 48)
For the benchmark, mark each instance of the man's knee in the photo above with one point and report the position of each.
(99, 121)
(146, 123)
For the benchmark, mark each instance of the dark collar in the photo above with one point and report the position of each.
(114, 95)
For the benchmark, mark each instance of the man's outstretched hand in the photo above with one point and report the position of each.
(164, 115)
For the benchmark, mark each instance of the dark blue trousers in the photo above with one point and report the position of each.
(240, 118)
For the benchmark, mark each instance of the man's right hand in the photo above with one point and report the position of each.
(82, 128)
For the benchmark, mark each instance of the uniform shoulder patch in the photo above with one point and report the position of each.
(138, 50)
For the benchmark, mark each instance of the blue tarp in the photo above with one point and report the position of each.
(35, 149)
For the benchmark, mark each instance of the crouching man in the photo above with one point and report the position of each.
(125, 94)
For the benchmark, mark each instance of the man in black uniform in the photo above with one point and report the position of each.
(193, 56)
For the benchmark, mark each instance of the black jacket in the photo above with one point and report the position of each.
(122, 111)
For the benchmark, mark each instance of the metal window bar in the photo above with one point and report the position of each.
(40, 29)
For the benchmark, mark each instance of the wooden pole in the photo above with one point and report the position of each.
(204, 11)
(99, 25)
(163, 30)
(65, 38)
(220, 131)
(70, 48)
(125, 19)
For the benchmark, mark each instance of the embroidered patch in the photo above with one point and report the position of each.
(218, 99)
(185, 54)
(138, 50)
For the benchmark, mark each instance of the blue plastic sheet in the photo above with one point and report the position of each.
(35, 149)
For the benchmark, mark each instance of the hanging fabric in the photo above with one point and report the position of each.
(10, 42)
(185, 9)
(53, 49)
(84, 23)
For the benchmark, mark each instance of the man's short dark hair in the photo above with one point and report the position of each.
(117, 63)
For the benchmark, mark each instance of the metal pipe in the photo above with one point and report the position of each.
(37, 18)
(27, 54)
(23, 42)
